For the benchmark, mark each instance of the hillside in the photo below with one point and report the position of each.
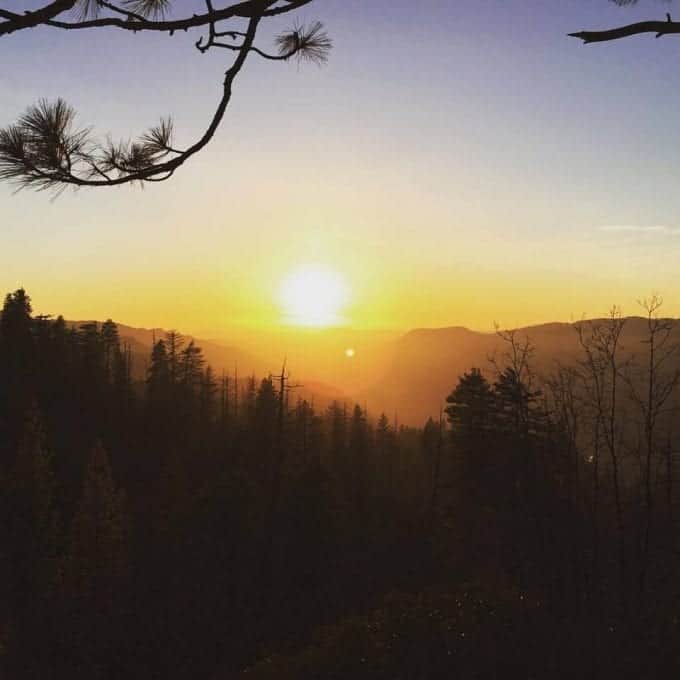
(408, 377)
(428, 362)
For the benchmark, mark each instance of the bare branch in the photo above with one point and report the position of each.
(303, 43)
(17, 22)
(659, 28)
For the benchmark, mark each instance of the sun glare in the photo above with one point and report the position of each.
(314, 296)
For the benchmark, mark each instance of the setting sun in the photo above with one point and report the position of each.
(314, 296)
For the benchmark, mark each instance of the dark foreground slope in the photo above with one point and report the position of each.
(181, 528)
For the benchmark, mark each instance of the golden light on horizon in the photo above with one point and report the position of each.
(350, 353)
(314, 296)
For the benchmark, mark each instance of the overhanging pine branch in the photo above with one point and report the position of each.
(659, 28)
(245, 10)
(165, 170)
(40, 16)
(44, 150)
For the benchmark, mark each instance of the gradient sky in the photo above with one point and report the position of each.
(457, 162)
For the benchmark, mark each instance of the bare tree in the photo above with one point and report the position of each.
(514, 370)
(435, 485)
(564, 404)
(45, 150)
(651, 395)
(601, 371)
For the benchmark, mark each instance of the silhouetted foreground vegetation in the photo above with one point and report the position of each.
(45, 150)
(206, 527)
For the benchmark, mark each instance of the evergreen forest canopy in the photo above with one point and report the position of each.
(193, 525)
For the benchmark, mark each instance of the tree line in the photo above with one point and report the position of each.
(194, 524)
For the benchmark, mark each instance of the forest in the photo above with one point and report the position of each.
(206, 525)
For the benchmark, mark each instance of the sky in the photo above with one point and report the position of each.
(456, 163)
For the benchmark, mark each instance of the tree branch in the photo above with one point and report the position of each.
(659, 28)
(243, 10)
(44, 150)
(44, 157)
(17, 22)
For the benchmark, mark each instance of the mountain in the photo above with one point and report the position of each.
(220, 357)
(225, 358)
(427, 363)
(405, 376)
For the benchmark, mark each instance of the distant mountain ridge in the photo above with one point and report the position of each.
(428, 362)
(420, 367)
(220, 357)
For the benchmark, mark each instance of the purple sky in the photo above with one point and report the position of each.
(471, 145)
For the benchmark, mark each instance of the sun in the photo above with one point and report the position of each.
(314, 296)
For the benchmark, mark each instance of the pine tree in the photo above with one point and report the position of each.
(386, 454)
(34, 541)
(307, 436)
(96, 567)
(35, 503)
(159, 417)
(470, 409)
(16, 324)
(356, 468)
(174, 343)
(337, 421)
(110, 342)
(158, 374)
(92, 349)
(358, 433)
(248, 398)
(265, 422)
(191, 368)
(122, 377)
(17, 369)
(429, 440)
(515, 411)
(98, 534)
(207, 396)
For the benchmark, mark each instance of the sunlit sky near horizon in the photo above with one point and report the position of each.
(457, 163)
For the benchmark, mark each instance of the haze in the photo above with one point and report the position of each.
(458, 163)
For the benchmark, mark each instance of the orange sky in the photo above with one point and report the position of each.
(449, 184)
